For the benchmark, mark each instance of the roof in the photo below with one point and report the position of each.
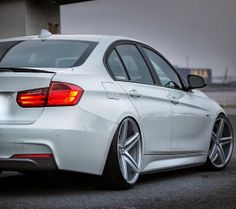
(95, 38)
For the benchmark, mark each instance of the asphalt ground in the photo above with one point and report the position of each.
(192, 188)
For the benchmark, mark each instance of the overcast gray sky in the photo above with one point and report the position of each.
(204, 30)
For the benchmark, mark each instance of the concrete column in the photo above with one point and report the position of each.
(42, 15)
(12, 18)
(28, 17)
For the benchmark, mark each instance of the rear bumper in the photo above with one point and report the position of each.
(27, 164)
(79, 141)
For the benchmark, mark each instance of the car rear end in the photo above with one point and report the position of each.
(42, 126)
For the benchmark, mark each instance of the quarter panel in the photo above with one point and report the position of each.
(96, 126)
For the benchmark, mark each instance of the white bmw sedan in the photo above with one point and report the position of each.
(103, 105)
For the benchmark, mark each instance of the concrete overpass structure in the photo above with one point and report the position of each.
(28, 17)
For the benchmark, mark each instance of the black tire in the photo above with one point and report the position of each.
(209, 165)
(112, 176)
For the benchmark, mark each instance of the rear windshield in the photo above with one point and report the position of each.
(44, 53)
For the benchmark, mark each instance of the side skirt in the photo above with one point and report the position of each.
(157, 163)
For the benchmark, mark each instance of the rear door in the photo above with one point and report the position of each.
(190, 119)
(13, 82)
(132, 73)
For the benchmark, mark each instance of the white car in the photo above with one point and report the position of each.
(103, 105)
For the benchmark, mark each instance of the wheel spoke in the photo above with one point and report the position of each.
(124, 131)
(131, 141)
(226, 140)
(213, 152)
(124, 167)
(220, 128)
(221, 154)
(214, 137)
(131, 162)
(215, 157)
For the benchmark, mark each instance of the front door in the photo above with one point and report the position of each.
(189, 116)
(190, 122)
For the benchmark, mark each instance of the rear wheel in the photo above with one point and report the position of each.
(222, 143)
(124, 159)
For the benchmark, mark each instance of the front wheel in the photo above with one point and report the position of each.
(124, 159)
(222, 143)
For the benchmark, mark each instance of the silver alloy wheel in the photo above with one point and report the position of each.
(129, 150)
(221, 147)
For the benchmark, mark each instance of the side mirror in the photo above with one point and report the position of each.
(195, 81)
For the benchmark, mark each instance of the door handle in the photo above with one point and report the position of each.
(174, 101)
(134, 93)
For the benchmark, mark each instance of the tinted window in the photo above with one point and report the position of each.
(42, 53)
(134, 63)
(116, 66)
(5, 46)
(166, 74)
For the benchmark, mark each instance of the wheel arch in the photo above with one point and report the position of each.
(218, 114)
(208, 164)
(136, 118)
(119, 121)
(214, 118)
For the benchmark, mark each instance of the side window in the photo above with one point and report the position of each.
(166, 74)
(116, 66)
(135, 64)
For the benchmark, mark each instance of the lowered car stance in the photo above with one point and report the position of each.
(104, 105)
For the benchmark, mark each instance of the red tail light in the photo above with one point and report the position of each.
(58, 94)
(32, 98)
(64, 94)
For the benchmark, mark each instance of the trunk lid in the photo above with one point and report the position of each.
(13, 81)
